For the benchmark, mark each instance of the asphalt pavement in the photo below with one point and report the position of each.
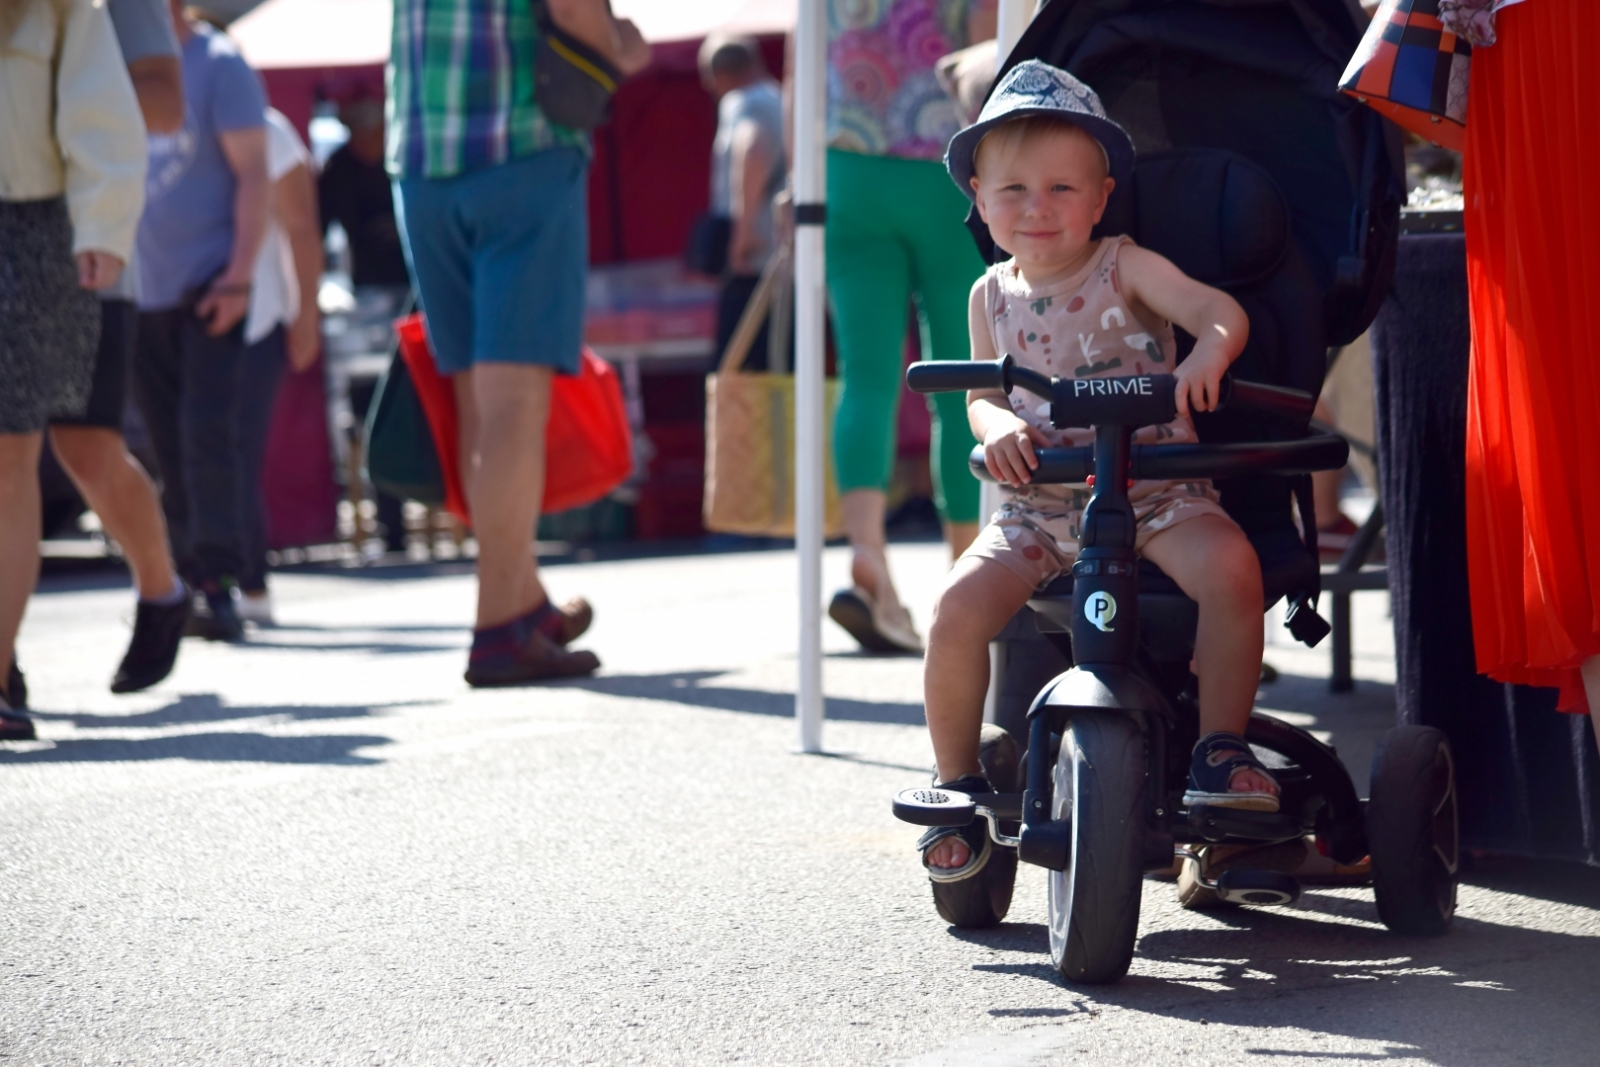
(323, 848)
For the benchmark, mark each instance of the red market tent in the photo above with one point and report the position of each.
(652, 161)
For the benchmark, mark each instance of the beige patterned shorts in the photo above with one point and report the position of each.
(1039, 547)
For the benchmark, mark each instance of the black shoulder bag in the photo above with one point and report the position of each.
(573, 83)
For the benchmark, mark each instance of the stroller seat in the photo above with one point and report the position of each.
(1222, 220)
(1257, 176)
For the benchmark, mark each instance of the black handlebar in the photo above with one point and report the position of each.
(952, 376)
(1072, 466)
(1133, 400)
(1290, 405)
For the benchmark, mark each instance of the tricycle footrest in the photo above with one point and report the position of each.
(1229, 824)
(936, 806)
(932, 806)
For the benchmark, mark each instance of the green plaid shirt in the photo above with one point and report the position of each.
(461, 90)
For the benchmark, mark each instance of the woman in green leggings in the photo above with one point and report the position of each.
(895, 234)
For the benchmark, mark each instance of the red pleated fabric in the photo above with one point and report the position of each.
(1532, 175)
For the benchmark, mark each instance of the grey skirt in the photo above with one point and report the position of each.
(49, 324)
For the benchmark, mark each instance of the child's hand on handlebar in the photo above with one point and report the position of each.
(1008, 450)
(1199, 379)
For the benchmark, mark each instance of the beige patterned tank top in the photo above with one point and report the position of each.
(1083, 327)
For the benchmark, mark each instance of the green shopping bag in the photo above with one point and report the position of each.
(400, 456)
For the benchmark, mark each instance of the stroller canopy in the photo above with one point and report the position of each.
(1258, 78)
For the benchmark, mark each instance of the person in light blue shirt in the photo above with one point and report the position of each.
(747, 170)
(205, 212)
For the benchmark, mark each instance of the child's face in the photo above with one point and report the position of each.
(1042, 196)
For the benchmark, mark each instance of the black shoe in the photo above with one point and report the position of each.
(16, 693)
(15, 726)
(214, 617)
(157, 631)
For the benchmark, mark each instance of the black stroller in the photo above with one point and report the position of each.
(1254, 176)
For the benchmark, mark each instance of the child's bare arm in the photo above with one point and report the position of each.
(1215, 320)
(1008, 442)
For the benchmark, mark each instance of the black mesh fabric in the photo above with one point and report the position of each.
(1257, 78)
(1528, 776)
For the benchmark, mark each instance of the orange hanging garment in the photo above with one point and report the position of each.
(1532, 175)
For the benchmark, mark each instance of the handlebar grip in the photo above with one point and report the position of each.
(1072, 466)
(955, 376)
(1065, 466)
(1291, 405)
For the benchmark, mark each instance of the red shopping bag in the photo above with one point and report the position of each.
(588, 447)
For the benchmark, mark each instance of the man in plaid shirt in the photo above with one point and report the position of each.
(490, 197)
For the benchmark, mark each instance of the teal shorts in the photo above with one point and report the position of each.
(500, 258)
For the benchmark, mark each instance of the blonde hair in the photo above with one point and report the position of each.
(1008, 138)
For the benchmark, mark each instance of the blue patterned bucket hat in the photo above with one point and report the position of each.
(1035, 88)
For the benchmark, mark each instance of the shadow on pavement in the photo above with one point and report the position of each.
(686, 687)
(1483, 988)
(1311, 696)
(207, 748)
(376, 648)
(1558, 881)
(403, 628)
(192, 708)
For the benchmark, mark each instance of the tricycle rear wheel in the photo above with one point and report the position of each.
(984, 899)
(1413, 830)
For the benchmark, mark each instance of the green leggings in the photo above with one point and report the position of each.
(894, 231)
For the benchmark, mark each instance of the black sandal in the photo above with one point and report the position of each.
(15, 726)
(1217, 756)
(975, 835)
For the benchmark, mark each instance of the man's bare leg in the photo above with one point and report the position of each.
(507, 408)
(118, 490)
(19, 535)
(1213, 562)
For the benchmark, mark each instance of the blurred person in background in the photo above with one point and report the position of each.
(282, 329)
(354, 191)
(205, 212)
(747, 172)
(895, 233)
(492, 204)
(72, 160)
(90, 447)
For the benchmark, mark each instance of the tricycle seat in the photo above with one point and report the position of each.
(1167, 617)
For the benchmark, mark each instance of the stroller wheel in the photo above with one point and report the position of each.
(1413, 830)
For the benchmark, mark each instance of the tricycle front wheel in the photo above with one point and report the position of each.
(1094, 904)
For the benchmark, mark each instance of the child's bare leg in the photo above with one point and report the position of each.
(1213, 562)
(980, 598)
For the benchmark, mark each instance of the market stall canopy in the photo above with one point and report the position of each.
(283, 34)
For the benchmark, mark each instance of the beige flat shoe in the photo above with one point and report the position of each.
(885, 628)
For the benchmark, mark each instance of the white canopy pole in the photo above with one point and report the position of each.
(810, 193)
(1012, 18)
